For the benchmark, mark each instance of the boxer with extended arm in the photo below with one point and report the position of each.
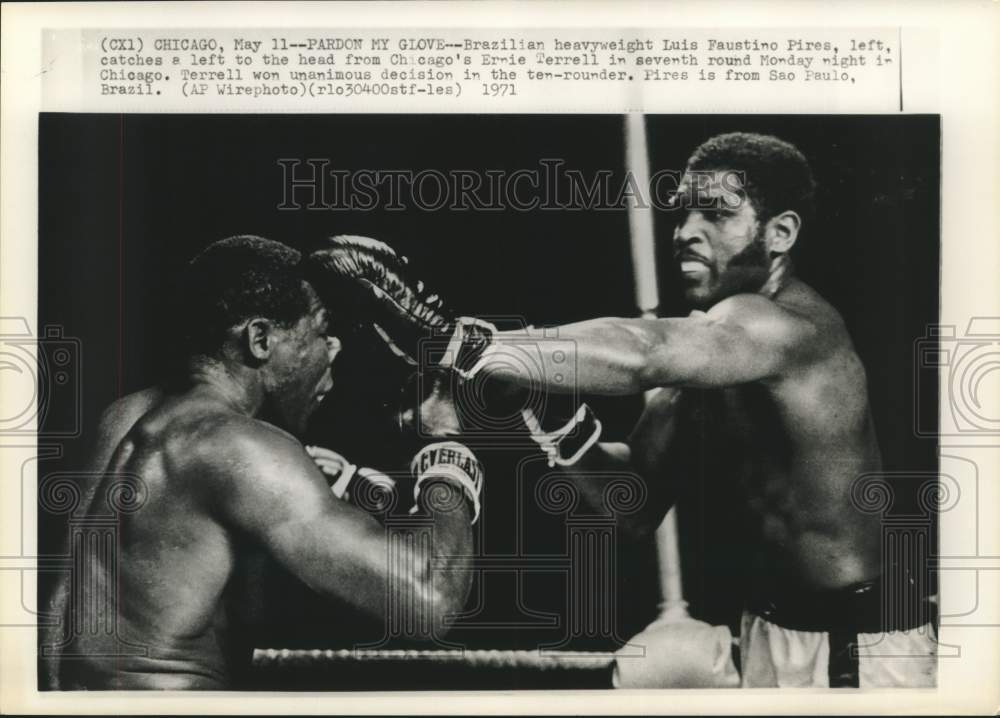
(775, 371)
(217, 471)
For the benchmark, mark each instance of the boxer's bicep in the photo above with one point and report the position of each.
(703, 352)
(337, 550)
(731, 344)
(738, 341)
(280, 500)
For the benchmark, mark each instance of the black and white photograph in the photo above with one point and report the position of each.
(463, 402)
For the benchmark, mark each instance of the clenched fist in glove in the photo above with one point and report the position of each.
(375, 282)
(362, 486)
(677, 654)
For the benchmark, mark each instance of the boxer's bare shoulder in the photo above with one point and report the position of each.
(230, 455)
(121, 414)
(200, 447)
(798, 324)
(117, 419)
(186, 431)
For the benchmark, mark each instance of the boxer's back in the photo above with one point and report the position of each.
(172, 559)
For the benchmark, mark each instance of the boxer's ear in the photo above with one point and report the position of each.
(781, 232)
(258, 338)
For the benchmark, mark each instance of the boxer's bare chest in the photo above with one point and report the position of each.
(741, 427)
(745, 447)
(792, 466)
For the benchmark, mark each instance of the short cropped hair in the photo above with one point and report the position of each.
(777, 177)
(235, 279)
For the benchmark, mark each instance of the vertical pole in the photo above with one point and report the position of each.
(640, 219)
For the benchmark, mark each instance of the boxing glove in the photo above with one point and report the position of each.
(426, 408)
(370, 278)
(360, 485)
(677, 654)
(366, 278)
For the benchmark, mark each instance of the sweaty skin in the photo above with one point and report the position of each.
(218, 481)
(769, 367)
(800, 439)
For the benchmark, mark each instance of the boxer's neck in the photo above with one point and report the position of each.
(232, 386)
(778, 277)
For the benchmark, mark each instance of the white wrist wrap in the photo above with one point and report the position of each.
(470, 345)
(560, 441)
(339, 487)
(449, 461)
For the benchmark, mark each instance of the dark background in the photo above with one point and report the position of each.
(125, 201)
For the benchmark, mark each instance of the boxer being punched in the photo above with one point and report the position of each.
(769, 363)
(219, 471)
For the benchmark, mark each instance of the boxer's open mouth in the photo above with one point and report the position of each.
(691, 263)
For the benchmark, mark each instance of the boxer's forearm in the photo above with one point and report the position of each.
(605, 463)
(652, 437)
(600, 356)
(447, 491)
(611, 462)
(653, 459)
(423, 570)
(448, 578)
(646, 458)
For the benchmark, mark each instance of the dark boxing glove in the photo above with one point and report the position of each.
(367, 278)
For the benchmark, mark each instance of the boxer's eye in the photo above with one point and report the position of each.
(718, 214)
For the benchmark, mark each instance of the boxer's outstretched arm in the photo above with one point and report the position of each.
(741, 339)
(265, 485)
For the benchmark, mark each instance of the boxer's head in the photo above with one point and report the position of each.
(743, 199)
(244, 304)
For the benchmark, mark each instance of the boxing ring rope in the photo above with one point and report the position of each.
(448, 670)
(647, 296)
(266, 658)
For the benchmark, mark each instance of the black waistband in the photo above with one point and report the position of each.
(877, 606)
